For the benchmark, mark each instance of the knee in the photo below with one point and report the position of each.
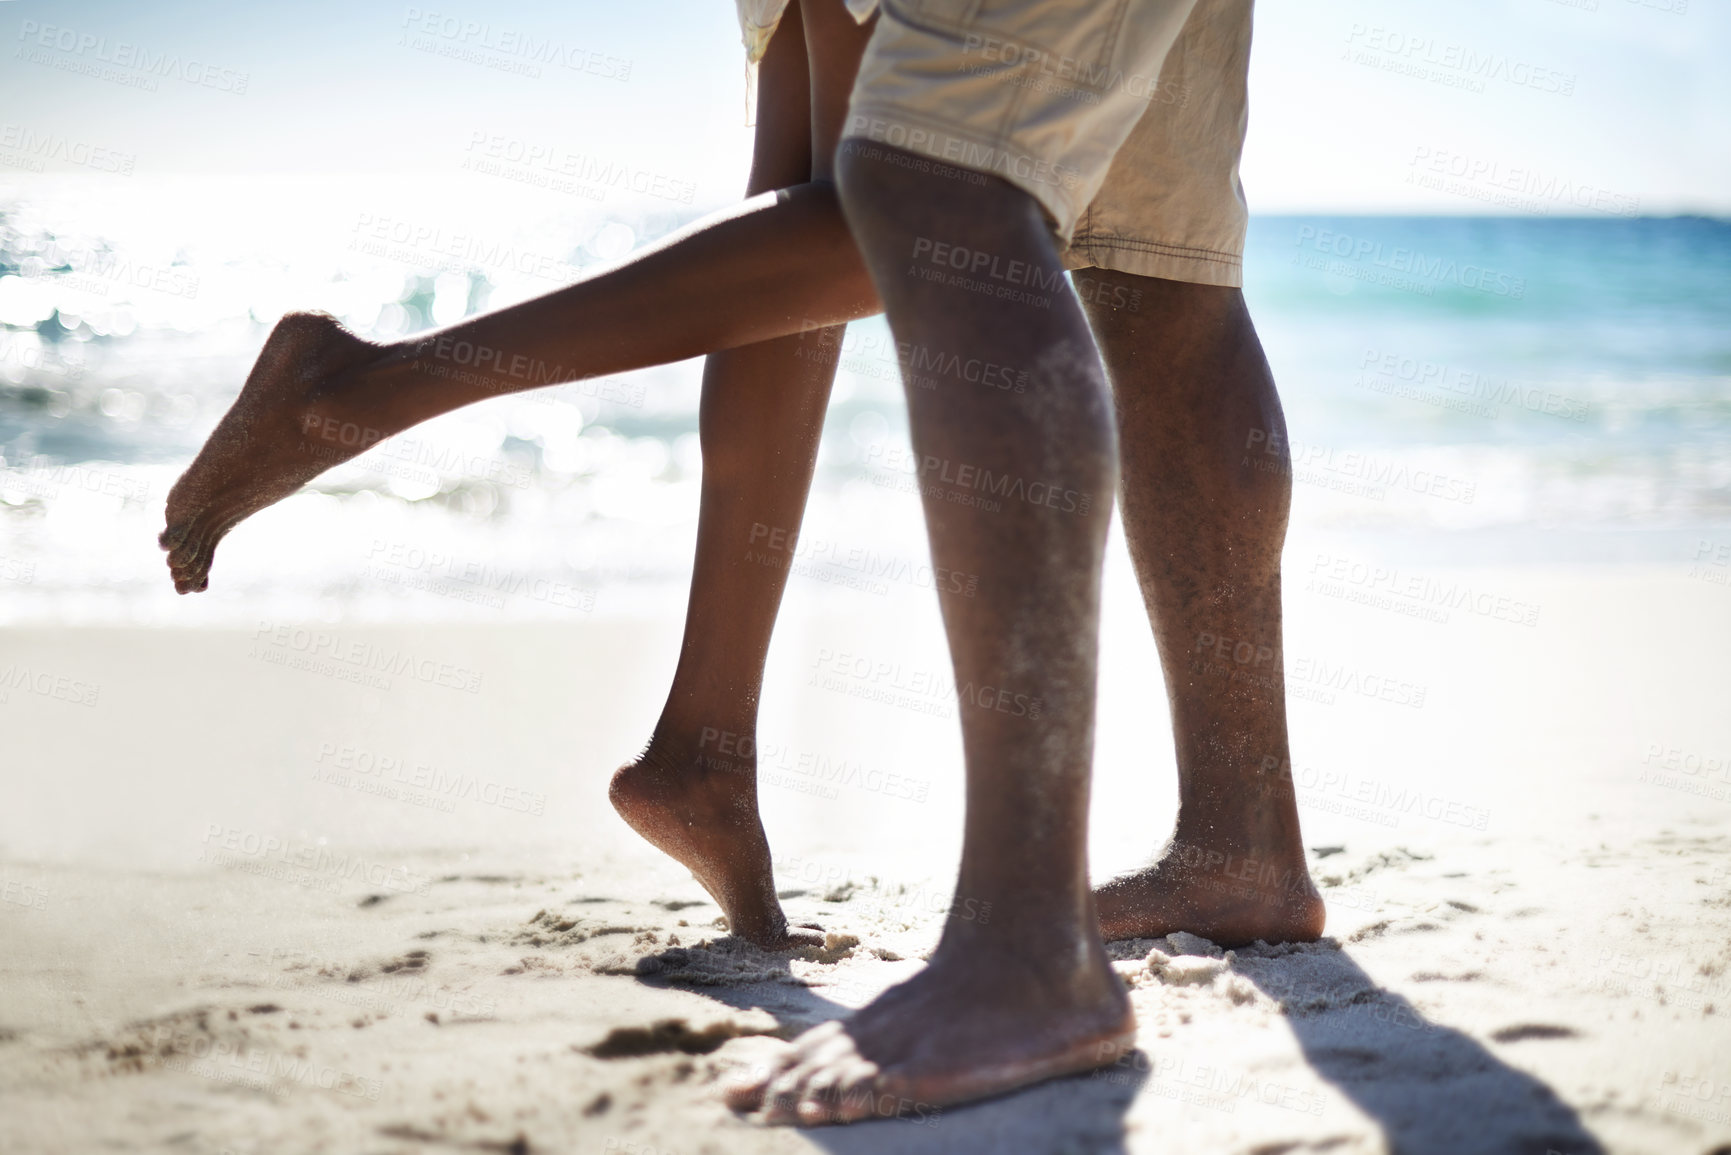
(869, 186)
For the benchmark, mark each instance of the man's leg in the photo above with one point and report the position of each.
(693, 791)
(778, 264)
(1206, 489)
(1019, 988)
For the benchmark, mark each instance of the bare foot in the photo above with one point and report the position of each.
(702, 811)
(975, 1023)
(286, 427)
(1228, 898)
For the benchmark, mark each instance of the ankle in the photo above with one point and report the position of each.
(702, 750)
(1065, 964)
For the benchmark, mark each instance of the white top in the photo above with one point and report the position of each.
(758, 20)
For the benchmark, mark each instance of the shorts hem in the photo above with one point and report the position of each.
(1144, 258)
(1060, 207)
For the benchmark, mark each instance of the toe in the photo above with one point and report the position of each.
(856, 1091)
(191, 563)
(805, 1094)
(817, 1097)
(745, 1090)
(781, 1097)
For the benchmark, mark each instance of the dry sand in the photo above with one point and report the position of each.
(250, 907)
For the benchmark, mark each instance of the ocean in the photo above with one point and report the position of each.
(1463, 390)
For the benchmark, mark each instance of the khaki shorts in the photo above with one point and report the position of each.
(1124, 118)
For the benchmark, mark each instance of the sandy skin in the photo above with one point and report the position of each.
(956, 1032)
(292, 421)
(1232, 902)
(702, 812)
(1206, 539)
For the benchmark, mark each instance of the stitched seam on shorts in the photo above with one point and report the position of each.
(997, 145)
(1117, 27)
(896, 113)
(924, 23)
(965, 27)
(1161, 248)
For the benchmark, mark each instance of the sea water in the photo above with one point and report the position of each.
(1464, 389)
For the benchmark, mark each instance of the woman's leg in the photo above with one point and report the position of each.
(693, 791)
(781, 263)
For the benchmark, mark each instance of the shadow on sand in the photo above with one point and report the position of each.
(1432, 1090)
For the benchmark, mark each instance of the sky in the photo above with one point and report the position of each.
(1356, 105)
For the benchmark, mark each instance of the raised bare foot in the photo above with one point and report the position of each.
(975, 1023)
(1229, 898)
(701, 809)
(286, 427)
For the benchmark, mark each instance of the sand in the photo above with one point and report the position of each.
(253, 902)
